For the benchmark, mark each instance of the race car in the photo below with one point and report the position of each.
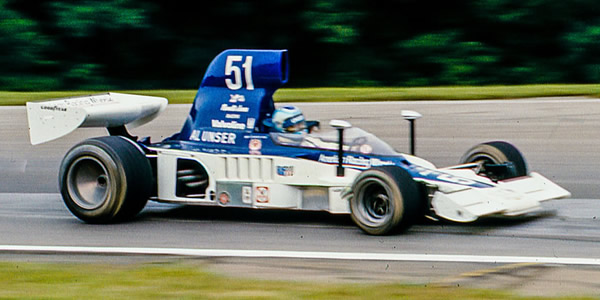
(229, 154)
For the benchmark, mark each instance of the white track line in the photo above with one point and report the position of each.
(301, 254)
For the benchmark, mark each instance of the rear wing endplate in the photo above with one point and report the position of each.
(49, 120)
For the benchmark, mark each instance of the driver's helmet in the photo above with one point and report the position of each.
(288, 119)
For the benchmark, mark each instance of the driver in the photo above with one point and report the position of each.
(287, 119)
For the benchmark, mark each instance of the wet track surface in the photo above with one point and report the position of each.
(560, 138)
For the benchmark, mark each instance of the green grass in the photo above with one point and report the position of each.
(19, 98)
(188, 280)
(351, 94)
(436, 93)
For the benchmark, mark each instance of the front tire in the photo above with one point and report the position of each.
(496, 153)
(385, 200)
(105, 180)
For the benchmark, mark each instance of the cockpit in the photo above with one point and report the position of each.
(355, 140)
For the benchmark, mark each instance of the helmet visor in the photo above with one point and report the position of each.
(294, 124)
(296, 127)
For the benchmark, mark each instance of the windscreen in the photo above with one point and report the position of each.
(355, 140)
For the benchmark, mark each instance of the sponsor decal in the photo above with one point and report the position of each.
(255, 145)
(53, 108)
(262, 194)
(217, 137)
(297, 119)
(443, 176)
(227, 124)
(224, 198)
(247, 194)
(366, 149)
(359, 161)
(252, 136)
(93, 100)
(235, 98)
(234, 108)
(214, 151)
(250, 123)
(285, 171)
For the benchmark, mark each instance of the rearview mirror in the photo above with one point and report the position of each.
(411, 115)
(339, 124)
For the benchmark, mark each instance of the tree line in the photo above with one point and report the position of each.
(134, 44)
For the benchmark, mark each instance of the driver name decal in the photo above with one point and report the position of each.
(215, 137)
(218, 137)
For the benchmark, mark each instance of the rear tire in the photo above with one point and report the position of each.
(497, 153)
(105, 180)
(385, 200)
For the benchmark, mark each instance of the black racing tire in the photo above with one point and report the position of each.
(385, 200)
(105, 180)
(497, 153)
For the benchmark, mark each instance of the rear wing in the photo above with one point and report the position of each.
(49, 120)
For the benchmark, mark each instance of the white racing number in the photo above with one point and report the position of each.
(230, 69)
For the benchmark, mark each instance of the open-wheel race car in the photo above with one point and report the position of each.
(229, 154)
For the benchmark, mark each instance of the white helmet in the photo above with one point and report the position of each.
(288, 119)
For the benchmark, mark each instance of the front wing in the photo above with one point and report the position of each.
(517, 196)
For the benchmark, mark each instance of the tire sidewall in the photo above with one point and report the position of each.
(484, 151)
(403, 193)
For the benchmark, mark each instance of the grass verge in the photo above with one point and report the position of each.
(351, 94)
(183, 281)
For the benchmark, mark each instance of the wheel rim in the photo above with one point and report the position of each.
(374, 203)
(484, 158)
(88, 182)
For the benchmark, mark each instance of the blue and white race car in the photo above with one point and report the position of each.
(229, 154)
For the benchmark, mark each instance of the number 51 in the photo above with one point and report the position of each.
(236, 83)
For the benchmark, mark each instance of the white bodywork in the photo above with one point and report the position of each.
(49, 120)
(314, 186)
(307, 185)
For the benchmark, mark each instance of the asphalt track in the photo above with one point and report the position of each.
(534, 254)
